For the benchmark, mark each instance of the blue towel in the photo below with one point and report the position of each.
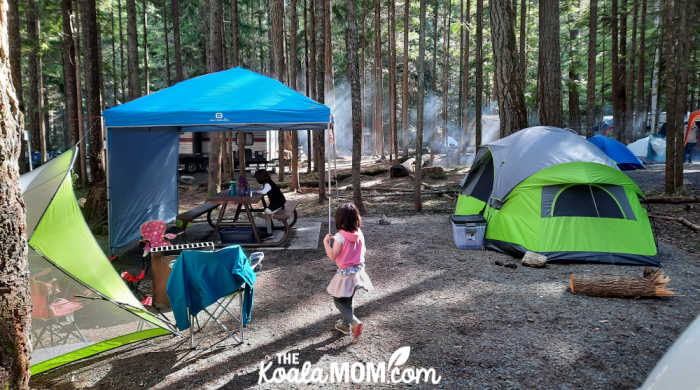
(199, 279)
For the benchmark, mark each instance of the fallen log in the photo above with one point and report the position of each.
(680, 220)
(672, 199)
(651, 284)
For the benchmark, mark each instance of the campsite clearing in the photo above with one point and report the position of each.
(478, 324)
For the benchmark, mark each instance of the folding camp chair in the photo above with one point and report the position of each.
(200, 285)
(56, 314)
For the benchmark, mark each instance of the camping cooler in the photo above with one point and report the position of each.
(468, 231)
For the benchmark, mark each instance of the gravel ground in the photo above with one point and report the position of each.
(478, 324)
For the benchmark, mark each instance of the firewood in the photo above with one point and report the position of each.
(651, 284)
(676, 219)
(672, 199)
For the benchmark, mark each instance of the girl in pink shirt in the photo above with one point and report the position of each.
(348, 252)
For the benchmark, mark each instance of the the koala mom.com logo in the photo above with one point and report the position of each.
(346, 372)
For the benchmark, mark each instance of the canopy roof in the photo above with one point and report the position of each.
(624, 157)
(521, 154)
(232, 99)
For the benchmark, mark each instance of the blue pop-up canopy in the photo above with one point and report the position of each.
(143, 137)
(625, 159)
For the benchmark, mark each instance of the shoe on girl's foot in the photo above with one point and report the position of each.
(342, 327)
(357, 330)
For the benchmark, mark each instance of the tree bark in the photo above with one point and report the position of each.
(294, 83)
(36, 103)
(549, 101)
(404, 80)
(133, 51)
(651, 284)
(592, 51)
(215, 63)
(308, 81)
(447, 22)
(465, 139)
(146, 70)
(378, 82)
(574, 110)
(478, 106)
(511, 99)
(96, 206)
(69, 74)
(460, 113)
(417, 202)
(319, 141)
(277, 36)
(115, 82)
(436, 38)
(630, 104)
(234, 28)
(392, 80)
(356, 102)
(523, 40)
(167, 42)
(654, 109)
(619, 53)
(121, 53)
(15, 50)
(641, 107)
(175, 9)
(79, 98)
(15, 300)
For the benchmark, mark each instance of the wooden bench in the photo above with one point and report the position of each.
(188, 217)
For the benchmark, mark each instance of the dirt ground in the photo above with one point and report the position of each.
(478, 324)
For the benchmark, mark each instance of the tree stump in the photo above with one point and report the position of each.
(398, 170)
(651, 284)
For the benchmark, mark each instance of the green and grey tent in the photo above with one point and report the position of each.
(550, 191)
(80, 304)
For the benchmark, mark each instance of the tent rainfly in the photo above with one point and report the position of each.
(143, 136)
(547, 190)
(81, 306)
(616, 150)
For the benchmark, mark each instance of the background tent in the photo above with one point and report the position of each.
(143, 136)
(550, 191)
(80, 304)
(651, 148)
(625, 159)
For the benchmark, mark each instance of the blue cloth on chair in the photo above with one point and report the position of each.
(200, 278)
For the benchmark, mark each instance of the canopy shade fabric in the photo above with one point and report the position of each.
(143, 138)
(69, 271)
(231, 99)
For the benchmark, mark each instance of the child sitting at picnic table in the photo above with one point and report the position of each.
(275, 197)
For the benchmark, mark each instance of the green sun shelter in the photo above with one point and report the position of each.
(81, 306)
(550, 191)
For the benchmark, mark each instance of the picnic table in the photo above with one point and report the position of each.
(243, 203)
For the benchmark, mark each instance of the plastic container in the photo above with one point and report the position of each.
(232, 191)
(236, 235)
(468, 231)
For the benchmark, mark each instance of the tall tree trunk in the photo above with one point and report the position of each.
(447, 22)
(15, 300)
(592, 51)
(312, 72)
(378, 82)
(96, 206)
(460, 93)
(549, 78)
(478, 106)
(523, 40)
(69, 74)
(677, 53)
(404, 80)
(234, 29)
(277, 31)
(619, 45)
(574, 109)
(511, 99)
(319, 141)
(417, 202)
(436, 38)
(308, 81)
(79, 98)
(146, 70)
(630, 103)
(465, 139)
(641, 101)
(167, 42)
(363, 78)
(121, 53)
(133, 51)
(175, 9)
(36, 106)
(328, 53)
(115, 82)
(294, 83)
(356, 102)
(392, 80)
(654, 110)
(215, 63)
(15, 51)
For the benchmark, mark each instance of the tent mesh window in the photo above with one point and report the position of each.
(583, 200)
(480, 184)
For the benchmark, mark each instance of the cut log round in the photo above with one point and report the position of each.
(651, 284)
